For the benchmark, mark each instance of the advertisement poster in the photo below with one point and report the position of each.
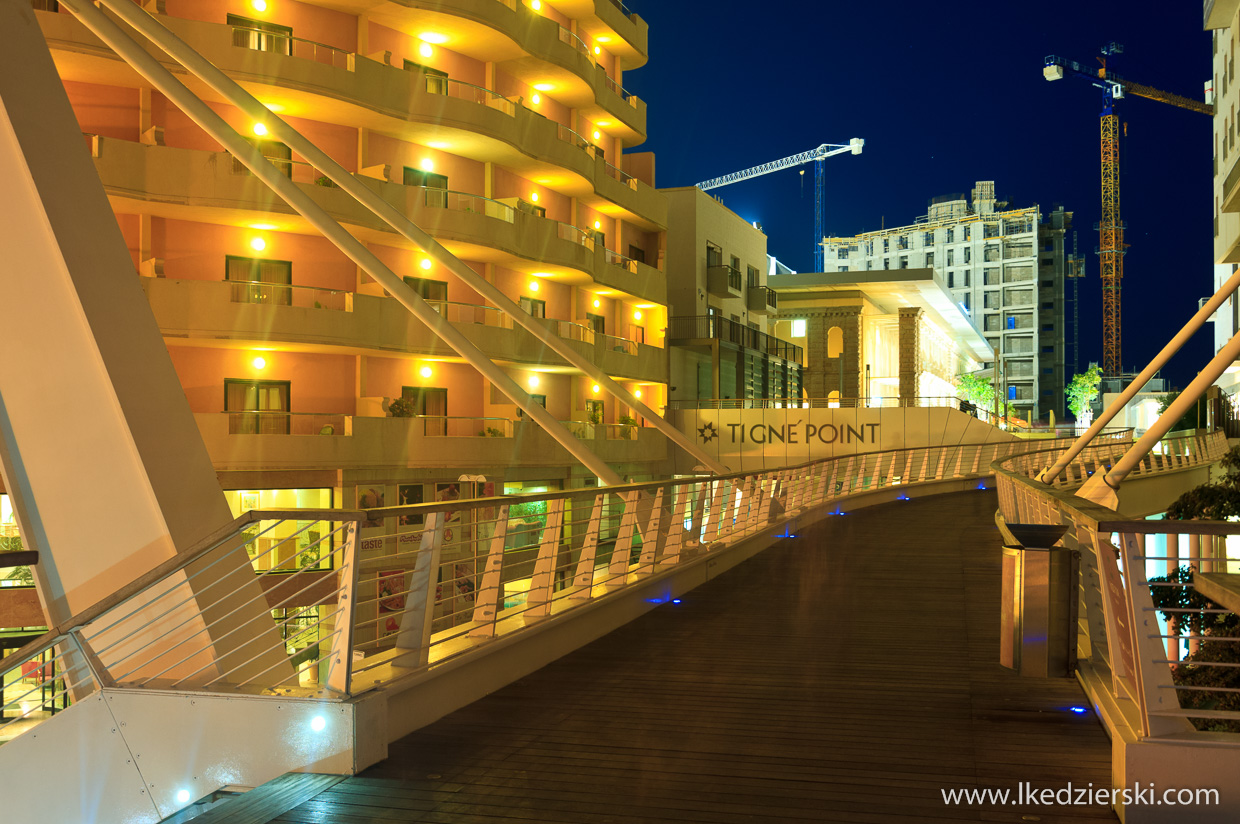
(453, 531)
(390, 590)
(370, 497)
(409, 495)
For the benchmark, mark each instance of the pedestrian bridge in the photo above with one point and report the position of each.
(850, 663)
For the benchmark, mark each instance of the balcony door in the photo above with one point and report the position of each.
(435, 187)
(255, 407)
(431, 405)
(260, 35)
(260, 281)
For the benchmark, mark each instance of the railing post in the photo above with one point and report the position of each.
(340, 664)
(583, 580)
(620, 553)
(676, 533)
(414, 637)
(1171, 553)
(486, 608)
(538, 602)
(650, 538)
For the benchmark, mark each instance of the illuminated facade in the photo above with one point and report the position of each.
(1222, 19)
(500, 132)
(1005, 267)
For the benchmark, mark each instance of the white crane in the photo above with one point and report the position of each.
(820, 154)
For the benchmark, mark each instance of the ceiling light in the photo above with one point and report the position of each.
(425, 50)
(426, 371)
(544, 87)
(637, 314)
(258, 5)
(597, 303)
(603, 38)
(433, 37)
(260, 129)
(598, 224)
(427, 164)
(425, 263)
(594, 389)
(533, 381)
(597, 50)
(536, 5)
(533, 286)
(258, 244)
(637, 393)
(263, 227)
(598, 135)
(259, 363)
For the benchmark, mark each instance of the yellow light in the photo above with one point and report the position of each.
(259, 363)
(637, 393)
(603, 123)
(258, 244)
(425, 263)
(260, 129)
(537, 98)
(534, 197)
(425, 50)
(258, 5)
(533, 286)
(637, 314)
(533, 381)
(263, 227)
(594, 389)
(439, 144)
(598, 224)
(536, 5)
(433, 37)
(597, 50)
(427, 164)
(544, 87)
(597, 134)
(603, 38)
(597, 303)
(426, 371)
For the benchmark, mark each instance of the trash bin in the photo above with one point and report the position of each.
(1038, 604)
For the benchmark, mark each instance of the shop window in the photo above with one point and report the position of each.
(256, 280)
(257, 407)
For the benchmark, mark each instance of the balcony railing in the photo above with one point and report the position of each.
(461, 90)
(472, 313)
(706, 327)
(570, 137)
(283, 294)
(277, 43)
(576, 42)
(442, 426)
(466, 202)
(617, 259)
(289, 423)
(615, 344)
(620, 90)
(575, 331)
(567, 231)
(620, 175)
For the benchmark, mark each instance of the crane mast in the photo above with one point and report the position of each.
(818, 155)
(1111, 245)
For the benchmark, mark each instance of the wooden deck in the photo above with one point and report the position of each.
(847, 675)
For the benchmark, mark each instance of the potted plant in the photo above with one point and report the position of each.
(402, 408)
(628, 427)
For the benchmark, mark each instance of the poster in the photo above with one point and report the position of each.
(452, 529)
(390, 590)
(370, 497)
(409, 495)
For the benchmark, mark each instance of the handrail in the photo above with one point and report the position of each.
(281, 36)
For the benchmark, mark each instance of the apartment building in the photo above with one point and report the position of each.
(1222, 19)
(722, 310)
(499, 130)
(1005, 267)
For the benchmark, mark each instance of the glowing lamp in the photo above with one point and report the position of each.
(533, 286)
(537, 98)
(318, 723)
(426, 371)
(597, 50)
(533, 381)
(183, 795)
(259, 363)
(425, 263)
(258, 244)
(260, 129)
(598, 224)
(594, 389)
(533, 197)
(598, 135)
(637, 393)
(637, 314)
(544, 87)
(427, 164)
(597, 303)
(536, 5)
(426, 50)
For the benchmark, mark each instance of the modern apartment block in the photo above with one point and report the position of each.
(1222, 19)
(722, 310)
(1005, 267)
(499, 128)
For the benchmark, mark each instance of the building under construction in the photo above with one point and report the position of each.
(1005, 267)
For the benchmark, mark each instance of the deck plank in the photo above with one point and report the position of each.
(848, 675)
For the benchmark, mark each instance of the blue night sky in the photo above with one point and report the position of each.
(945, 95)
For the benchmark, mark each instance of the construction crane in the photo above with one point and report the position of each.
(1111, 246)
(818, 155)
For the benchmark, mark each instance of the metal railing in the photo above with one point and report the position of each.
(441, 579)
(567, 231)
(1128, 646)
(814, 403)
(707, 326)
(286, 294)
(444, 426)
(465, 202)
(569, 136)
(461, 90)
(620, 175)
(575, 331)
(289, 423)
(278, 43)
(576, 42)
(472, 313)
(614, 258)
(620, 90)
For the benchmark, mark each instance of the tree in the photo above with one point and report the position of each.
(976, 390)
(1190, 419)
(1081, 393)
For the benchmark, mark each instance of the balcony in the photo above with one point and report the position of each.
(707, 327)
(762, 300)
(724, 281)
(356, 442)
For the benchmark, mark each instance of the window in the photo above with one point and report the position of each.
(927, 238)
(594, 411)
(260, 281)
(1048, 371)
(951, 257)
(1011, 322)
(260, 407)
(753, 278)
(841, 269)
(968, 255)
(951, 235)
(842, 254)
(429, 290)
(886, 263)
(886, 244)
(929, 258)
(436, 80)
(798, 328)
(534, 307)
(1011, 393)
(902, 242)
(714, 254)
(736, 263)
(903, 261)
(430, 403)
(636, 253)
(968, 234)
(967, 278)
(260, 36)
(835, 342)
(951, 280)
(597, 323)
(965, 302)
(435, 186)
(1048, 350)
(1048, 327)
